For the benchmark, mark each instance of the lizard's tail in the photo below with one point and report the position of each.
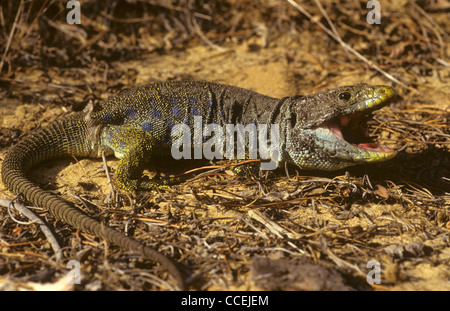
(61, 139)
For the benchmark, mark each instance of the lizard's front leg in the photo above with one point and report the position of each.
(134, 148)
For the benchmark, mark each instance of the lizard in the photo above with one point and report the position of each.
(323, 131)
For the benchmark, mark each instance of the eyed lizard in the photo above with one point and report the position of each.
(323, 131)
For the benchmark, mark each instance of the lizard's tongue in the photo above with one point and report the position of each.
(336, 126)
(374, 147)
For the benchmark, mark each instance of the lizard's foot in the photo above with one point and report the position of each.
(164, 184)
(147, 184)
(247, 169)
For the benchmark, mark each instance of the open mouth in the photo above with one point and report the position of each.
(341, 138)
(354, 129)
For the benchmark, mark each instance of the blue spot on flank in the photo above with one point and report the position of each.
(156, 114)
(176, 112)
(122, 145)
(173, 100)
(147, 126)
(108, 136)
(130, 112)
(193, 100)
(170, 124)
(106, 117)
(221, 112)
(194, 111)
(210, 108)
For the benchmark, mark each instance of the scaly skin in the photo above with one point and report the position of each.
(136, 124)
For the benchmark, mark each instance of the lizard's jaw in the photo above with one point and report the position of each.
(354, 130)
(340, 142)
(351, 128)
(341, 138)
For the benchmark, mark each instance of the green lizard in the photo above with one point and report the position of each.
(324, 131)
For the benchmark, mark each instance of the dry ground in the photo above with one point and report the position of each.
(305, 231)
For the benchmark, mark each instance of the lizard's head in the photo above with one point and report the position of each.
(329, 131)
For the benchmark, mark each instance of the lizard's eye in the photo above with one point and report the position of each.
(345, 96)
